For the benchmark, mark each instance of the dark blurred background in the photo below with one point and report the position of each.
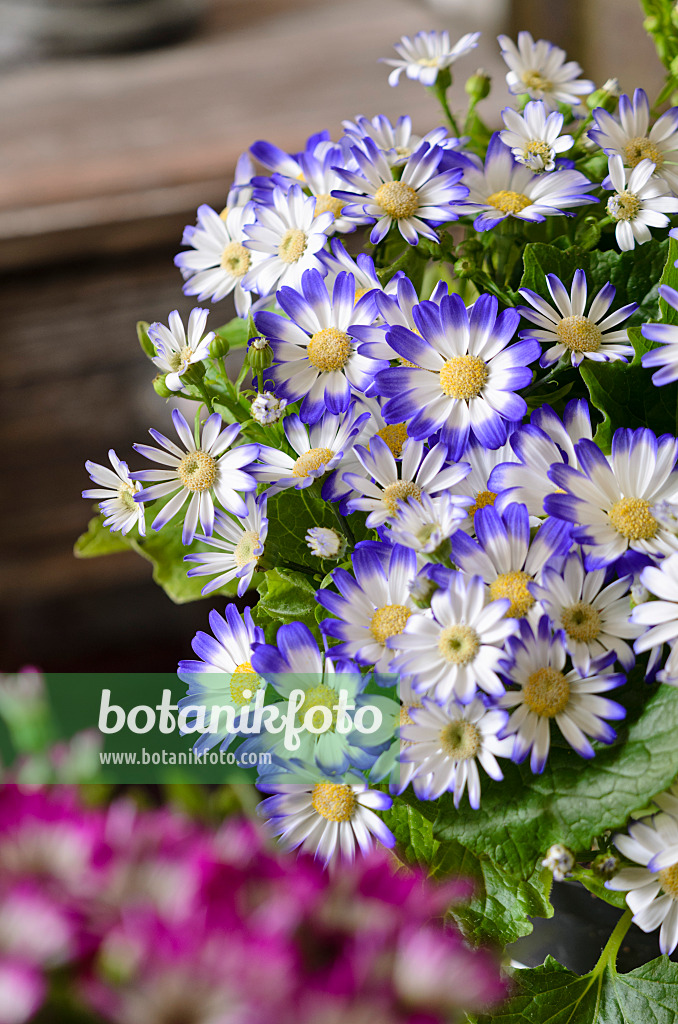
(117, 119)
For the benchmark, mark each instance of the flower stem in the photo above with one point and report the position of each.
(608, 957)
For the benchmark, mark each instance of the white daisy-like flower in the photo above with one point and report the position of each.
(458, 646)
(420, 200)
(570, 329)
(427, 53)
(638, 203)
(396, 141)
(202, 471)
(660, 618)
(218, 261)
(362, 268)
(425, 523)
(444, 742)
(546, 692)
(630, 136)
(117, 489)
(542, 70)
(178, 348)
(319, 448)
(267, 408)
(505, 188)
(609, 500)
(238, 551)
(290, 236)
(395, 308)
(665, 355)
(535, 139)
(384, 482)
(652, 889)
(322, 816)
(320, 178)
(476, 485)
(389, 764)
(594, 617)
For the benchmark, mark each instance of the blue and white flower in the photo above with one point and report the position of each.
(389, 765)
(395, 308)
(425, 523)
(218, 260)
(594, 617)
(221, 677)
(290, 236)
(316, 356)
(201, 471)
(418, 202)
(505, 188)
(425, 54)
(638, 204)
(295, 663)
(396, 141)
(570, 330)
(629, 135)
(666, 336)
(115, 493)
(372, 605)
(319, 450)
(464, 377)
(321, 178)
(507, 559)
(546, 691)
(238, 544)
(319, 815)
(384, 482)
(538, 445)
(362, 268)
(476, 485)
(178, 348)
(288, 165)
(534, 138)
(458, 646)
(542, 70)
(659, 618)
(445, 741)
(609, 501)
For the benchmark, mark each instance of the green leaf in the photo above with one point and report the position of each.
(291, 513)
(98, 540)
(635, 274)
(235, 332)
(165, 552)
(573, 801)
(551, 994)
(288, 596)
(501, 905)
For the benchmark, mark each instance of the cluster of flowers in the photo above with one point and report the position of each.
(147, 917)
(497, 583)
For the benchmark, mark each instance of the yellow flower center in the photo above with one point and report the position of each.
(244, 683)
(292, 245)
(623, 205)
(389, 621)
(197, 471)
(640, 148)
(581, 622)
(428, 62)
(546, 692)
(401, 490)
(359, 292)
(245, 548)
(668, 879)
(463, 377)
(514, 586)
(394, 435)
(579, 334)
(536, 81)
(632, 518)
(126, 496)
(317, 697)
(508, 202)
(325, 203)
(460, 740)
(179, 359)
(458, 644)
(236, 259)
(329, 349)
(538, 148)
(313, 459)
(483, 500)
(397, 199)
(333, 801)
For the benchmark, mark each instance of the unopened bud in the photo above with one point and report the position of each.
(606, 866)
(193, 374)
(266, 408)
(219, 346)
(160, 386)
(478, 86)
(559, 860)
(142, 334)
(422, 589)
(325, 542)
(259, 354)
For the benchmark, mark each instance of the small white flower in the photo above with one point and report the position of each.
(238, 551)
(559, 860)
(427, 53)
(659, 617)
(117, 489)
(651, 890)
(325, 542)
(266, 408)
(444, 743)
(534, 139)
(540, 70)
(629, 135)
(424, 523)
(637, 204)
(177, 348)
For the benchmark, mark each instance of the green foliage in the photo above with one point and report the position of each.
(99, 540)
(235, 332)
(287, 596)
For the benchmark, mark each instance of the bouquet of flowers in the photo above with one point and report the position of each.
(445, 483)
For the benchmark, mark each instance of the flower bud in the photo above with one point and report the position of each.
(193, 374)
(266, 408)
(559, 860)
(219, 346)
(478, 86)
(259, 354)
(606, 866)
(422, 589)
(325, 542)
(147, 345)
(160, 386)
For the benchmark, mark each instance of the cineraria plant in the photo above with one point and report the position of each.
(447, 472)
